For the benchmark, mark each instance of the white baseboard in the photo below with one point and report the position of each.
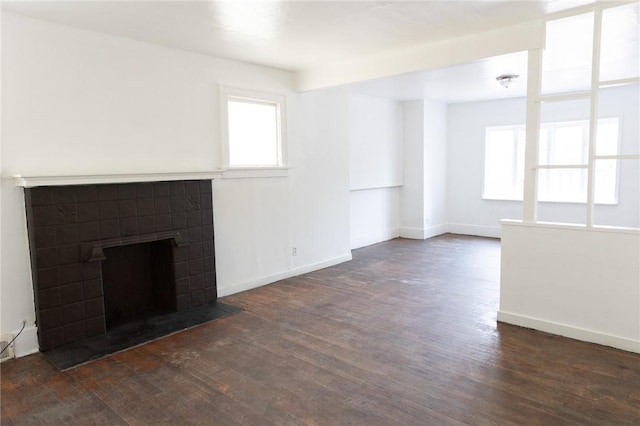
(27, 342)
(423, 233)
(477, 230)
(577, 333)
(434, 231)
(377, 237)
(259, 282)
(412, 233)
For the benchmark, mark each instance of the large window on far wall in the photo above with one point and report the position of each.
(253, 124)
(563, 150)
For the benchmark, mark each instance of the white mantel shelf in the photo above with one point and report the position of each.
(33, 181)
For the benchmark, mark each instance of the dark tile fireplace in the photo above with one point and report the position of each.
(107, 253)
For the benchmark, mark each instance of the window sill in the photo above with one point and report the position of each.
(551, 202)
(255, 172)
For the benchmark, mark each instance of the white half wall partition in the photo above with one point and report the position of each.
(577, 280)
(572, 281)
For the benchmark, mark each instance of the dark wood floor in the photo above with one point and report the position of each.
(404, 334)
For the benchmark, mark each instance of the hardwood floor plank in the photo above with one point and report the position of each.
(55, 398)
(404, 334)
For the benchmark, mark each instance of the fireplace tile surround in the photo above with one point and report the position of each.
(70, 226)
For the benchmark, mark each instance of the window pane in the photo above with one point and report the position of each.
(503, 169)
(563, 144)
(565, 111)
(568, 185)
(543, 146)
(624, 102)
(626, 212)
(620, 49)
(566, 61)
(574, 213)
(253, 134)
(607, 137)
(606, 174)
(564, 132)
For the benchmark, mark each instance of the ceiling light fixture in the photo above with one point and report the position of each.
(506, 79)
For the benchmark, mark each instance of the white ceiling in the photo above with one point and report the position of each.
(461, 83)
(289, 35)
(299, 35)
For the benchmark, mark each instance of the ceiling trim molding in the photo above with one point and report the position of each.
(427, 56)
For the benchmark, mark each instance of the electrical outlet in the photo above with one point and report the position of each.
(294, 251)
(9, 352)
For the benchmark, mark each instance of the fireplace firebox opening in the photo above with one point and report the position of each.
(138, 281)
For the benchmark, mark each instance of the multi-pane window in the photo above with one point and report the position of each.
(562, 144)
(585, 53)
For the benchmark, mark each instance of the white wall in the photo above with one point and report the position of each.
(375, 216)
(435, 167)
(259, 221)
(423, 203)
(375, 168)
(375, 142)
(77, 102)
(320, 178)
(578, 283)
(466, 128)
(412, 193)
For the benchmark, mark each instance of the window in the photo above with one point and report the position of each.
(253, 126)
(563, 144)
(594, 49)
(504, 163)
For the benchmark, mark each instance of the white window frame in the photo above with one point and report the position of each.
(534, 101)
(279, 101)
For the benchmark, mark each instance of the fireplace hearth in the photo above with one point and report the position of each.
(107, 253)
